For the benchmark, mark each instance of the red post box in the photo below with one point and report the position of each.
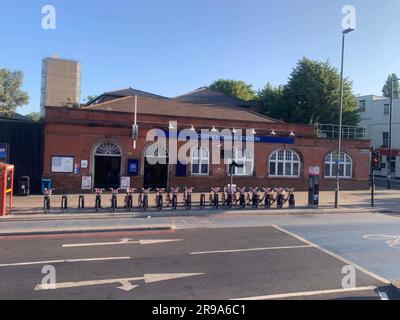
(6, 187)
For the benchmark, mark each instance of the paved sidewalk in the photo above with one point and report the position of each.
(384, 199)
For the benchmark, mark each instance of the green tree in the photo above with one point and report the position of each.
(35, 116)
(90, 98)
(234, 88)
(387, 88)
(11, 95)
(269, 100)
(312, 96)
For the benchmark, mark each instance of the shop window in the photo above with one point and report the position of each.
(345, 165)
(362, 106)
(284, 163)
(386, 109)
(385, 139)
(200, 161)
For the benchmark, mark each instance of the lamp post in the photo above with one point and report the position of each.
(233, 164)
(346, 31)
(389, 156)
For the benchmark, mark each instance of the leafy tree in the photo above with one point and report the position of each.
(387, 88)
(269, 100)
(312, 95)
(35, 116)
(234, 88)
(11, 95)
(90, 98)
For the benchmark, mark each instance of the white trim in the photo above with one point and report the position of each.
(201, 161)
(332, 165)
(292, 162)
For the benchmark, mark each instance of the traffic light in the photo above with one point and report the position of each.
(375, 161)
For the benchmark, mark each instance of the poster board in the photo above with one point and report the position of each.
(125, 183)
(86, 183)
(63, 164)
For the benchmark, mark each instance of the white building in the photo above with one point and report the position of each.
(375, 117)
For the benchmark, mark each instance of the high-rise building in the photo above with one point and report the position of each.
(61, 83)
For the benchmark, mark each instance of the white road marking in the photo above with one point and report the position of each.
(391, 240)
(344, 260)
(253, 249)
(125, 282)
(307, 293)
(61, 261)
(122, 241)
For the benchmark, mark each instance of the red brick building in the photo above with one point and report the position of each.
(96, 141)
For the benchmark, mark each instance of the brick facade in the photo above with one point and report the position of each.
(76, 132)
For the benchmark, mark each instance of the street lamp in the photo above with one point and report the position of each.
(389, 157)
(346, 31)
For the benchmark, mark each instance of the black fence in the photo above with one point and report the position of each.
(25, 144)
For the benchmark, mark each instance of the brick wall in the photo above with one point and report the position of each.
(70, 132)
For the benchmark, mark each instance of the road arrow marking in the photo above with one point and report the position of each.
(122, 241)
(125, 282)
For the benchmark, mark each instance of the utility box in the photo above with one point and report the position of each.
(46, 185)
(6, 187)
(24, 186)
(313, 187)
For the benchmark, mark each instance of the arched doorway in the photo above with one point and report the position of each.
(107, 165)
(155, 173)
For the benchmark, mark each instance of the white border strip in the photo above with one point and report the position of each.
(344, 260)
(253, 249)
(307, 293)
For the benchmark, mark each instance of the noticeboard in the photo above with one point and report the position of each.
(62, 164)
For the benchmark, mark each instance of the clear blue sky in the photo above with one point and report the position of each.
(170, 47)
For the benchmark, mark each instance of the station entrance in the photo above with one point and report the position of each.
(155, 173)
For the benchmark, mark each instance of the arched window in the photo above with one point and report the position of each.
(243, 157)
(108, 149)
(156, 153)
(156, 150)
(284, 163)
(200, 161)
(345, 165)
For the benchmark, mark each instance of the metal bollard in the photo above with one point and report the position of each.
(202, 201)
(81, 203)
(114, 202)
(64, 203)
(46, 204)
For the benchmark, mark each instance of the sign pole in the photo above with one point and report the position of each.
(372, 181)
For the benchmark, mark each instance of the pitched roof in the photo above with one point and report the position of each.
(16, 116)
(171, 107)
(129, 92)
(208, 96)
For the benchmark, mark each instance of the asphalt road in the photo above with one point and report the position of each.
(197, 264)
(382, 183)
